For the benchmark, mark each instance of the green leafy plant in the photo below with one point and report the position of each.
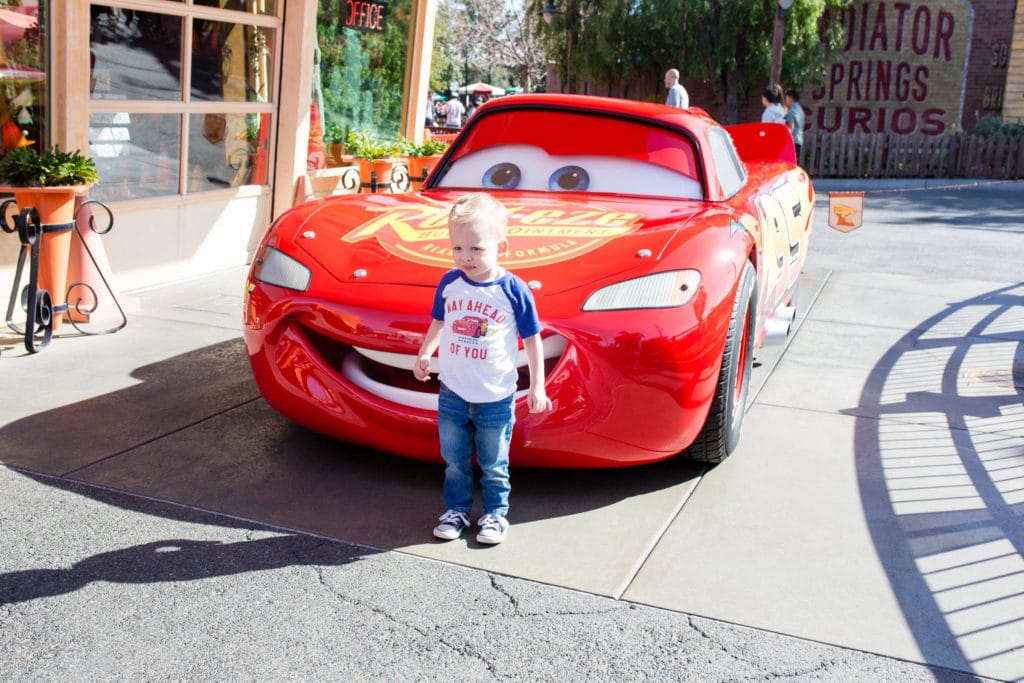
(335, 134)
(252, 133)
(23, 166)
(423, 149)
(364, 145)
(993, 126)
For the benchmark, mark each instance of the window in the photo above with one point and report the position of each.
(359, 65)
(727, 162)
(181, 96)
(23, 76)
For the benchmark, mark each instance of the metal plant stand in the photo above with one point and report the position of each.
(37, 304)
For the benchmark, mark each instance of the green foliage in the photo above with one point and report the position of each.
(495, 41)
(431, 147)
(23, 166)
(423, 149)
(253, 130)
(995, 127)
(365, 145)
(725, 42)
(360, 74)
(734, 40)
(335, 134)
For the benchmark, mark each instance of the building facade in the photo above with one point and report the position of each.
(198, 112)
(929, 67)
(1013, 95)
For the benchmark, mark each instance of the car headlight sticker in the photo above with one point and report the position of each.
(661, 290)
(274, 267)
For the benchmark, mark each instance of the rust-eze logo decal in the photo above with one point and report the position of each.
(538, 235)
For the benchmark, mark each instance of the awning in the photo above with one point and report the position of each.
(13, 23)
(481, 88)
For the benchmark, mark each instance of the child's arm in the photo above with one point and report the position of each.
(538, 398)
(422, 367)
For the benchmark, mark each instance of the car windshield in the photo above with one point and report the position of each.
(563, 151)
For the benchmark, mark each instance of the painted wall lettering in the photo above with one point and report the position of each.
(1000, 55)
(902, 69)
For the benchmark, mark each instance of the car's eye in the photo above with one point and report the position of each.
(505, 176)
(569, 179)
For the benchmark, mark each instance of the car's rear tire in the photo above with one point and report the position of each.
(721, 432)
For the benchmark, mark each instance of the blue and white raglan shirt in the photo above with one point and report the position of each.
(483, 322)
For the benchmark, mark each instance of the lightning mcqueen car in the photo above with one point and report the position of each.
(662, 249)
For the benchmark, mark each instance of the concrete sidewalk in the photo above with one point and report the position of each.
(868, 526)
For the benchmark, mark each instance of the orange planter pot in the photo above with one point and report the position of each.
(419, 167)
(382, 167)
(55, 206)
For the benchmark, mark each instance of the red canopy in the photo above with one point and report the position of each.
(14, 23)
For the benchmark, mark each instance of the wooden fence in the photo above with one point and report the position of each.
(887, 155)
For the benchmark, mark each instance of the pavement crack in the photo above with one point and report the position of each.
(464, 649)
(512, 599)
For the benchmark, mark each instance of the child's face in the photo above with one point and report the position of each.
(475, 250)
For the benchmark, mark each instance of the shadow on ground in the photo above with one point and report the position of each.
(194, 431)
(940, 461)
(175, 559)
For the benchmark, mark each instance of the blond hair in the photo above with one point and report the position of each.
(480, 208)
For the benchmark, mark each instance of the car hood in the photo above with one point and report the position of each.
(564, 240)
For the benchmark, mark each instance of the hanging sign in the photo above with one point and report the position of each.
(845, 210)
(364, 15)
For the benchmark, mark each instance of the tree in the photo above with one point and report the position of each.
(361, 72)
(737, 48)
(725, 43)
(486, 36)
(613, 40)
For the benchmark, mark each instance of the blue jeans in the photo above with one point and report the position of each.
(483, 428)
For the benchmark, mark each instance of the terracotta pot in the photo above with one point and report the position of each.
(55, 206)
(335, 154)
(419, 167)
(382, 167)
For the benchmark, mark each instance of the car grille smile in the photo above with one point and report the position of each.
(389, 376)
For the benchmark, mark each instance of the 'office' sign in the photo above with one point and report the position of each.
(364, 15)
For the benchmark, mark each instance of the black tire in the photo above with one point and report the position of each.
(721, 432)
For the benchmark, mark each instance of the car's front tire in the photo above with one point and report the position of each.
(721, 432)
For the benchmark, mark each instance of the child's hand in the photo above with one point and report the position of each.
(422, 368)
(538, 400)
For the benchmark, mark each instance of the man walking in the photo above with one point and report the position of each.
(455, 112)
(677, 95)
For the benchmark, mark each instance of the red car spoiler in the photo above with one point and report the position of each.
(763, 142)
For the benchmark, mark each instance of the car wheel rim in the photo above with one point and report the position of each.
(741, 367)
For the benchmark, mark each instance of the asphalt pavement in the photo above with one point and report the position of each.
(159, 522)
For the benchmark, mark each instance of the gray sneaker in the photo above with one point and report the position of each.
(451, 526)
(492, 529)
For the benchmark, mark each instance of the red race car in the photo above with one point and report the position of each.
(470, 326)
(662, 250)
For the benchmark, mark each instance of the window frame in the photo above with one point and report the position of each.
(185, 107)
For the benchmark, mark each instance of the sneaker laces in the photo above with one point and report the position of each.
(490, 521)
(453, 517)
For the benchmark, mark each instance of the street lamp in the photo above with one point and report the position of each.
(549, 11)
(780, 21)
